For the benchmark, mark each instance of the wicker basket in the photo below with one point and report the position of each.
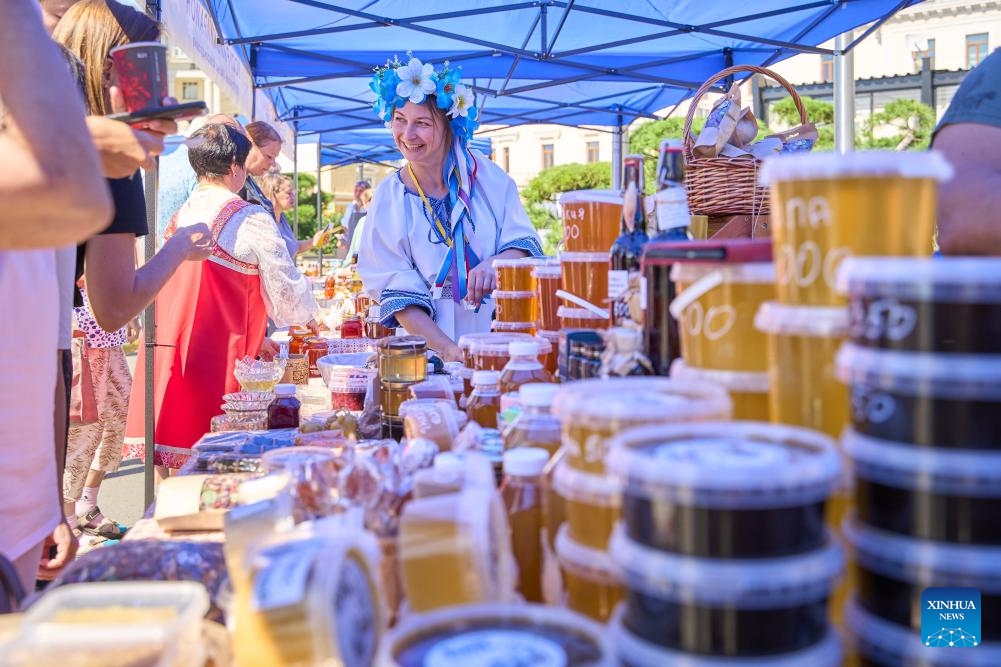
(721, 186)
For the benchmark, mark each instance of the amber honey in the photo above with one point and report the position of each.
(592, 505)
(549, 356)
(591, 586)
(826, 209)
(515, 275)
(591, 411)
(525, 328)
(802, 344)
(716, 325)
(581, 318)
(516, 306)
(591, 220)
(548, 277)
(748, 391)
(392, 395)
(401, 359)
(585, 275)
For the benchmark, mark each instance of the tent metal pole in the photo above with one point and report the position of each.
(617, 155)
(844, 95)
(152, 178)
(319, 199)
(295, 178)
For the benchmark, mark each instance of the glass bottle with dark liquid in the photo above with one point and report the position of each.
(660, 329)
(626, 252)
(284, 409)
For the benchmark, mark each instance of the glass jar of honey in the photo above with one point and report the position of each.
(374, 328)
(330, 287)
(316, 347)
(401, 359)
(351, 327)
(297, 339)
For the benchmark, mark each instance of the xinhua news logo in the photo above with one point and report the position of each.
(950, 617)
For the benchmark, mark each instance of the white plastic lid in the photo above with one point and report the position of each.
(537, 394)
(580, 314)
(517, 261)
(513, 294)
(863, 164)
(584, 562)
(525, 461)
(958, 377)
(484, 378)
(586, 488)
(887, 643)
(575, 257)
(521, 348)
(636, 652)
(602, 196)
(551, 269)
(447, 460)
(753, 583)
(923, 563)
(731, 465)
(777, 318)
(285, 390)
(639, 400)
(374, 312)
(945, 279)
(735, 381)
(751, 273)
(971, 474)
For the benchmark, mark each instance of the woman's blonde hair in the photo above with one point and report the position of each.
(90, 29)
(271, 182)
(262, 133)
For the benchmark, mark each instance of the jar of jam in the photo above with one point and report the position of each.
(316, 347)
(351, 327)
(330, 287)
(297, 339)
(284, 409)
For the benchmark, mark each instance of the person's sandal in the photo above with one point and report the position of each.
(95, 523)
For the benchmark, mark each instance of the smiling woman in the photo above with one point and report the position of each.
(433, 230)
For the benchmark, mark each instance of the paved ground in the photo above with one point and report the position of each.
(121, 497)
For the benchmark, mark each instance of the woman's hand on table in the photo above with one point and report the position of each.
(450, 352)
(269, 349)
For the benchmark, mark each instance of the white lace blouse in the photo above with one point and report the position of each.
(252, 236)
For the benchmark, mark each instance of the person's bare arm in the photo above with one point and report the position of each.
(417, 322)
(122, 148)
(969, 203)
(117, 290)
(51, 184)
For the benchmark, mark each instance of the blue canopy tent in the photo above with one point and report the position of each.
(583, 62)
(342, 148)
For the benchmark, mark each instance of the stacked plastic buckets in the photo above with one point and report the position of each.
(720, 286)
(923, 364)
(590, 413)
(722, 546)
(515, 299)
(591, 223)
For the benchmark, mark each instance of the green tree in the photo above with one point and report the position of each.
(818, 112)
(565, 178)
(914, 121)
(549, 226)
(307, 208)
(645, 140)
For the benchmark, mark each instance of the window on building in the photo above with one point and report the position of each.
(547, 156)
(506, 159)
(191, 90)
(826, 67)
(976, 49)
(592, 151)
(920, 54)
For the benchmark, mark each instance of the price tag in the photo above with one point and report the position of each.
(618, 283)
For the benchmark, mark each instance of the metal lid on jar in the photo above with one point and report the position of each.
(403, 344)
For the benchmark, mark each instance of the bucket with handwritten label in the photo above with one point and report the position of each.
(715, 310)
(592, 411)
(802, 343)
(827, 207)
(549, 280)
(941, 305)
(584, 275)
(591, 220)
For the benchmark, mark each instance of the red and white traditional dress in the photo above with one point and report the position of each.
(208, 315)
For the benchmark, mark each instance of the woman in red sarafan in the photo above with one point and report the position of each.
(211, 313)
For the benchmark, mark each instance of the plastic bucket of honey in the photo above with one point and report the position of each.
(548, 278)
(590, 581)
(715, 310)
(802, 344)
(748, 390)
(549, 359)
(581, 318)
(515, 275)
(527, 328)
(592, 411)
(585, 276)
(591, 219)
(516, 306)
(480, 349)
(827, 207)
(591, 505)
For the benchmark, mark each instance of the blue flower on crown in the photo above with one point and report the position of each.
(397, 83)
